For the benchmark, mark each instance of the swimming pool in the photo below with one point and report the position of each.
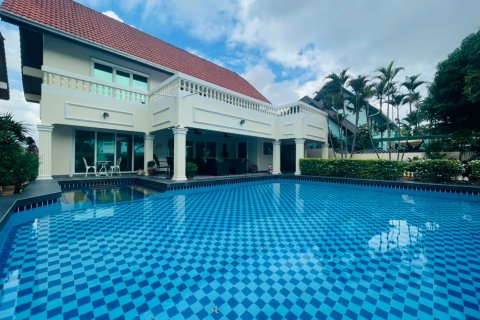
(280, 250)
(103, 194)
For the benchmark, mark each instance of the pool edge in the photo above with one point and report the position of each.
(45, 192)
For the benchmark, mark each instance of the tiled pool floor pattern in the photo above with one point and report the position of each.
(271, 250)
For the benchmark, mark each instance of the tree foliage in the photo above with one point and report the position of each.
(453, 101)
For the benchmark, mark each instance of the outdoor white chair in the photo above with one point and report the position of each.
(116, 168)
(87, 167)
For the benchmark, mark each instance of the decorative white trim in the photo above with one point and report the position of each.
(148, 136)
(82, 77)
(239, 128)
(69, 117)
(32, 97)
(87, 95)
(32, 72)
(219, 88)
(299, 141)
(179, 130)
(45, 127)
(156, 113)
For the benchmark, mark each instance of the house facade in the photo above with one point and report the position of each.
(109, 91)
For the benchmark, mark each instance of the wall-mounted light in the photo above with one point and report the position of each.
(105, 115)
(242, 122)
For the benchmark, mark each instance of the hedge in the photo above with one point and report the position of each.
(359, 169)
(437, 170)
(475, 165)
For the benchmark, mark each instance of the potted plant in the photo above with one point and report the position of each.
(190, 170)
(151, 167)
(7, 182)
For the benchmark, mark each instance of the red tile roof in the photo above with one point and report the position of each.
(77, 20)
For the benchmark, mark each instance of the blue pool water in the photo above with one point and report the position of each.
(279, 250)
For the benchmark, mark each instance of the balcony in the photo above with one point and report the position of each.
(176, 86)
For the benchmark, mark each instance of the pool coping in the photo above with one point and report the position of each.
(45, 192)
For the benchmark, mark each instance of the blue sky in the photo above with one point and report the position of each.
(287, 48)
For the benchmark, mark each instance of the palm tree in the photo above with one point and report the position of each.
(387, 74)
(11, 131)
(361, 93)
(338, 81)
(411, 83)
(397, 100)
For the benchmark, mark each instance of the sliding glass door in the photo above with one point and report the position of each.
(107, 146)
(84, 148)
(124, 150)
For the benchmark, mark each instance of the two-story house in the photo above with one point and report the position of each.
(107, 90)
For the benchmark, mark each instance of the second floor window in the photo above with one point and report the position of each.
(124, 78)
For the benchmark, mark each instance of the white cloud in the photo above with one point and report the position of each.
(208, 20)
(23, 111)
(113, 15)
(262, 78)
(307, 40)
(12, 46)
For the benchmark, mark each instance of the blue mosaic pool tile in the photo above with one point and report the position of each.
(261, 251)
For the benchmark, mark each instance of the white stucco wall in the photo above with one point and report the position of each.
(61, 149)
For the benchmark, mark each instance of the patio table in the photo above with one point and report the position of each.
(103, 168)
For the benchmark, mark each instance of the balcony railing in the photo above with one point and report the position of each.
(173, 87)
(87, 86)
(176, 84)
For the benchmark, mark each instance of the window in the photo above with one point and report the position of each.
(138, 152)
(140, 82)
(102, 72)
(106, 146)
(119, 76)
(267, 149)
(84, 148)
(242, 150)
(122, 78)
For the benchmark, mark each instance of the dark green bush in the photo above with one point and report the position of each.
(475, 165)
(191, 167)
(360, 169)
(437, 170)
(17, 165)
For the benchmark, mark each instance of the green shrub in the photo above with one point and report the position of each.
(475, 165)
(17, 165)
(360, 169)
(437, 170)
(191, 168)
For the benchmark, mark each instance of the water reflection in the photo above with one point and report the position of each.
(399, 234)
(82, 198)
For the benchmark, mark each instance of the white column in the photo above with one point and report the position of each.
(299, 154)
(45, 151)
(276, 157)
(325, 150)
(179, 153)
(147, 151)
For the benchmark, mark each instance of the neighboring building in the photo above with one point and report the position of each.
(107, 90)
(378, 119)
(4, 90)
